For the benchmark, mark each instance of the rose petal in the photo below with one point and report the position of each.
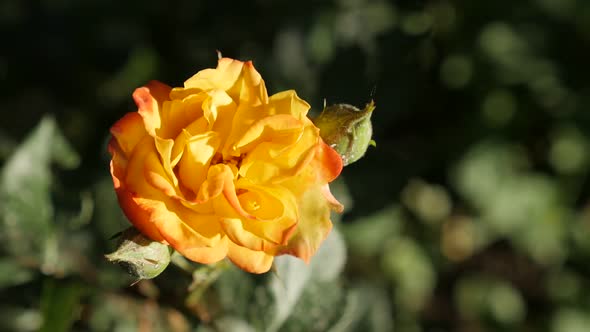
(149, 100)
(313, 227)
(328, 162)
(223, 77)
(287, 102)
(176, 223)
(275, 217)
(139, 217)
(270, 162)
(282, 129)
(194, 164)
(207, 255)
(128, 131)
(249, 260)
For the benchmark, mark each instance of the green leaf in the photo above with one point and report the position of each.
(328, 262)
(25, 181)
(366, 308)
(293, 276)
(13, 318)
(485, 296)
(235, 288)
(12, 274)
(286, 287)
(570, 320)
(319, 306)
(59, 305)
(411, 271)
(234, 324)
(366, 236)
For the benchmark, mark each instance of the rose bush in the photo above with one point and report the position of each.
(218, 169)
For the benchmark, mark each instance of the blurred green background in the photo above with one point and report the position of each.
(471, 214)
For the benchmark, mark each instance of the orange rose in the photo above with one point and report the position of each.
(218, 168)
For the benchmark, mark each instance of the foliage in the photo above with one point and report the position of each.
(470, 214)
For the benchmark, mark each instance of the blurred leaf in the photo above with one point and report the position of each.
(7, 146)
(12, 274)
(477, 296)
(498, 107)
(366, 236)
(25, 182)
(367, 308)
(411, 271)
(122, 313)
(235, 289)
(430, 202)
(319, 306)
(568, 150)
(328, 262)
(570, 320)
(286, 287)
(295, 282)
(233, 324)
(484, 169)
(59, 305)
(564, 285)
(19, 319)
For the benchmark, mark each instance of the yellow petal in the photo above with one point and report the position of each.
(223, 77)
(194, 164)
(272, 162)
(274, 216)
(282, 129)
(164, 148)
(177, 114)
(207, 255)
(287, 102)
(249, 260)
(251, 87)
(216, 99)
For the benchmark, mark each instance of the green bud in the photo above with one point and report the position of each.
(347, 130)
(140, 256)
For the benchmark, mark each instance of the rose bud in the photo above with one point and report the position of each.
(347, 130)
(141, 257)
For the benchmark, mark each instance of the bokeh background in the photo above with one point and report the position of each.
(471, 214)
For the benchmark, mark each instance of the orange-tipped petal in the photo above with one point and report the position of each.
(249, 260)
(139, 217)
(149, 100)
(128, 131)
(329, 162)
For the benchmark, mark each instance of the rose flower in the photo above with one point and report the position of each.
(218, 168)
